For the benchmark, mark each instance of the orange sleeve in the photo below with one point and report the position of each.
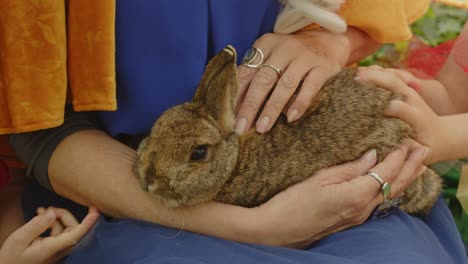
(51, 51)
(384, 20)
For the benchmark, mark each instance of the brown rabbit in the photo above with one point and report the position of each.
(193, 155)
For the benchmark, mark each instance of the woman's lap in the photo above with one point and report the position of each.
(397, 238)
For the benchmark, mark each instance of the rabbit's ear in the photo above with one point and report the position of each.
(218, 88)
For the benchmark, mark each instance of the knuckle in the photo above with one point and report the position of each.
(276, 106)
(288, 82)
(245, 74)
(356, 202)
(292, 44)
(301, 104)
(311, 84)
(265, 79)
(268, 37)
(249, 105)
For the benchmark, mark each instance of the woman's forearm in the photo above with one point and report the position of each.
(91, 168)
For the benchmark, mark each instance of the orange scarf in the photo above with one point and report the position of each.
(50, 52)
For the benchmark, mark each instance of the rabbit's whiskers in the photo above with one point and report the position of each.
(179, 232)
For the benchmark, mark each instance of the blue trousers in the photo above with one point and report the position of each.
(397, 238)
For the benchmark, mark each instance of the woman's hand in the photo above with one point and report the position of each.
(25, 246)
(429, 129)
(335, 198)
(309, 57)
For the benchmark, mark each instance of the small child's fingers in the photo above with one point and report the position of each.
(403, 111)
(37, 241)
(402, 74)
(67, 219)
(372, 67)
(31, 230)
(386, 80)
(56, 228)
(408, 78)
(71, 238)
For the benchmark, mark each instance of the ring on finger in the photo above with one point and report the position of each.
(386, 187)
(278, 70)
(251, 56)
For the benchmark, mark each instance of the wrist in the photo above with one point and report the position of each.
(439, 150)
(335, 47)
(452, 137)
(361, 45)
(253, 227)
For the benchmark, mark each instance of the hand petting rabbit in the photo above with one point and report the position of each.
(193, 155)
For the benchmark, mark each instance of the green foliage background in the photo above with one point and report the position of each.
(440, 23)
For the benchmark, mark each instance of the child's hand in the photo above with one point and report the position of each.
(25, 246)
(428, 128)
(432, 91)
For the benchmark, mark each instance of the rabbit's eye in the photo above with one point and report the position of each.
(199, 153)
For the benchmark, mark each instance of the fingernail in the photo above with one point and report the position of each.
(390, 107)
(371, 156)
(426, 151)
(241, 125)
(263, 124)
(50, 214)
(293, 115)
(422, 170)
(40, 210)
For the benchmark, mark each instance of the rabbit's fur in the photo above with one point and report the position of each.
(344, 121)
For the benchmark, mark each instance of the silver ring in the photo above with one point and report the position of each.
(251, 56)
(278, 70)
(386, 187)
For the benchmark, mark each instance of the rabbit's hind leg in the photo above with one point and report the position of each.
(422, 194)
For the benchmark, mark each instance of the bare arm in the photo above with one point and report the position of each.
(454, 136)
(92, 168)
(361, 45)
(454, 73)
(455, 81)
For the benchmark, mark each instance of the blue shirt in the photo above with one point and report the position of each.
(162, 47)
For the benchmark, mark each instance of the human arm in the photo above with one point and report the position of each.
(92, 168)
(312, 56)
(112, 187)
(25, 246)
(321, 55)
(432, 91)
(448, 93)
(454, 73)
(445, 136)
